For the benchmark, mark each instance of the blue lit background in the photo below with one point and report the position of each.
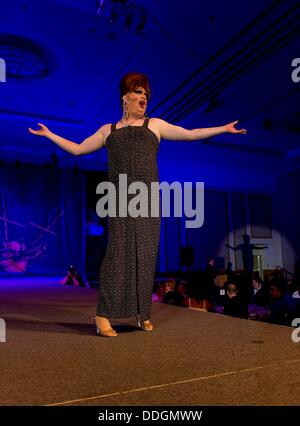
(209, 63)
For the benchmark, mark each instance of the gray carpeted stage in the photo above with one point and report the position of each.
(53, 357)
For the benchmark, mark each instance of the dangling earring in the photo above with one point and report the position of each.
(125, 111)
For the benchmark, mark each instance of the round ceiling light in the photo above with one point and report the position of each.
(24, 59)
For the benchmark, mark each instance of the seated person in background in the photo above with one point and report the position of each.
(159, 292)
(169, 288)
(278, 277)
(229, 272)
(232, 303)
(280, 307)
(177, 296)
(182, 295)
(296, 294)
(294, 284)
(209, 276)
(73, 278)
(169, 285)
(294, 304)
(260, 295)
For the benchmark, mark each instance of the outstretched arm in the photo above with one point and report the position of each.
(232, 248)
(90, 144)
(259, 247)
(171, 132)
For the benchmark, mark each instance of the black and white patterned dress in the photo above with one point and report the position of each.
(128, 269)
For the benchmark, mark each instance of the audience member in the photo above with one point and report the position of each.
(294, 304)
(73, 278)
(229, 272)
(210, 274)
(280, 309)
(294, 283)
(278, 277)
(232, 303)
(178, 296)
(297, 271)
(183, 297)
(296, 294)
(169, 288)
(261, 295)
(159, 292)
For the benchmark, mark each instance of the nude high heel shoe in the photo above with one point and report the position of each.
(145, 325)
(103, 330)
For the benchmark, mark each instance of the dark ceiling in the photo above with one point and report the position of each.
(209, 62)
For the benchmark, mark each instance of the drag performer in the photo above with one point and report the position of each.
(128, 269)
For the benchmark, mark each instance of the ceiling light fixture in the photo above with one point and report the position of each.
(141, 24)
(131, 13)
(129, 19)
(99, 6)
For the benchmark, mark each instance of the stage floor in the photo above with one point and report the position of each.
(53, 357)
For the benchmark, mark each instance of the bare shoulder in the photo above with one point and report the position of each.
(158, 124)
(155, 125)
(105, 130)
(172, 132)
(156, 121)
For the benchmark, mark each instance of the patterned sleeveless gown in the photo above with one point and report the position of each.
(128, 268)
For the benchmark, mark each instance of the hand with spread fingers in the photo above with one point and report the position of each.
(43, 131)
(230, 128)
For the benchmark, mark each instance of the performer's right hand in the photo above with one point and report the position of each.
(43, 131)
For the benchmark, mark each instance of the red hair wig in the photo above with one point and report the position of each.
(132, 81)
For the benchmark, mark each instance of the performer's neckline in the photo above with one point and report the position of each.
(139, 127)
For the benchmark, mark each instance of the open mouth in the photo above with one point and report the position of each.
(142, 103)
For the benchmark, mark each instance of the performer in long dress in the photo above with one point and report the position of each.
(128, 269)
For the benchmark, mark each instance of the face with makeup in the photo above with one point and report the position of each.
(136, 102)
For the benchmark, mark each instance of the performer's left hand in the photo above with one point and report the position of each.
(231, 129)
